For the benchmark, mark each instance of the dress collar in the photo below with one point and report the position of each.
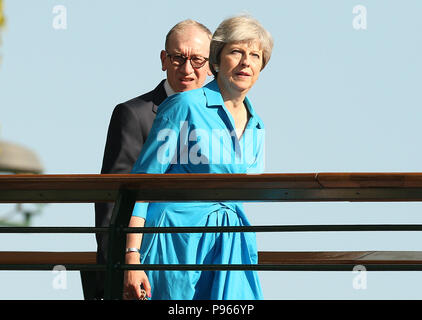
(214, 98)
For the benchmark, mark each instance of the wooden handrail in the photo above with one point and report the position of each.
(42, 257)
(212, 187)
(264, 257)
(128, 188)
(265, 181)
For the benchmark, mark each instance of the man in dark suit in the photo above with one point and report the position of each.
(185, 62)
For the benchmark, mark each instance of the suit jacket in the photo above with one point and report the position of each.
(129, 126)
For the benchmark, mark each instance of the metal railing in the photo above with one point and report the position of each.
(125, 190)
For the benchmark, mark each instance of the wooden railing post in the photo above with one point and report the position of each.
(122, 212)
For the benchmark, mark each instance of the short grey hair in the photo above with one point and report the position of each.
(243, 28)
(181, 26)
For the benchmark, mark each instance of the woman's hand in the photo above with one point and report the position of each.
(132, 284)
(135, 278)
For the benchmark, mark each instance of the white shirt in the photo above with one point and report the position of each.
(168, 88)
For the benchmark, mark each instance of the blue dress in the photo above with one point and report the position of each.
(194, 133)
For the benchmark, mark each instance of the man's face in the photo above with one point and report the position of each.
(191, 42)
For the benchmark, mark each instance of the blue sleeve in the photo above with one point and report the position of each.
(159, 150)
(140, 209)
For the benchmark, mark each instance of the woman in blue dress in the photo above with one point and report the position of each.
(213, 129)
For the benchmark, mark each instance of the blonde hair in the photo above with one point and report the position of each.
(242, 28)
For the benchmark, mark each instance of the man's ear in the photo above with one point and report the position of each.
(163, 57)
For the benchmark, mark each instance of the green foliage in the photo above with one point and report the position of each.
(2, 18)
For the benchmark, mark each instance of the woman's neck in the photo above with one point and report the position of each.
(233, 99)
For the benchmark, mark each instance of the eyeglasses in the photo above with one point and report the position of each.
(195, 61)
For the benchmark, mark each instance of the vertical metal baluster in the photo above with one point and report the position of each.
(122, 212)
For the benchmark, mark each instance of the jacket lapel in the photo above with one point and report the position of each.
(158, 96)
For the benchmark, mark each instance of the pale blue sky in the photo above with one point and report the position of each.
(333, 99)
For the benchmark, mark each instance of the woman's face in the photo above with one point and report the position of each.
(240, 65)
